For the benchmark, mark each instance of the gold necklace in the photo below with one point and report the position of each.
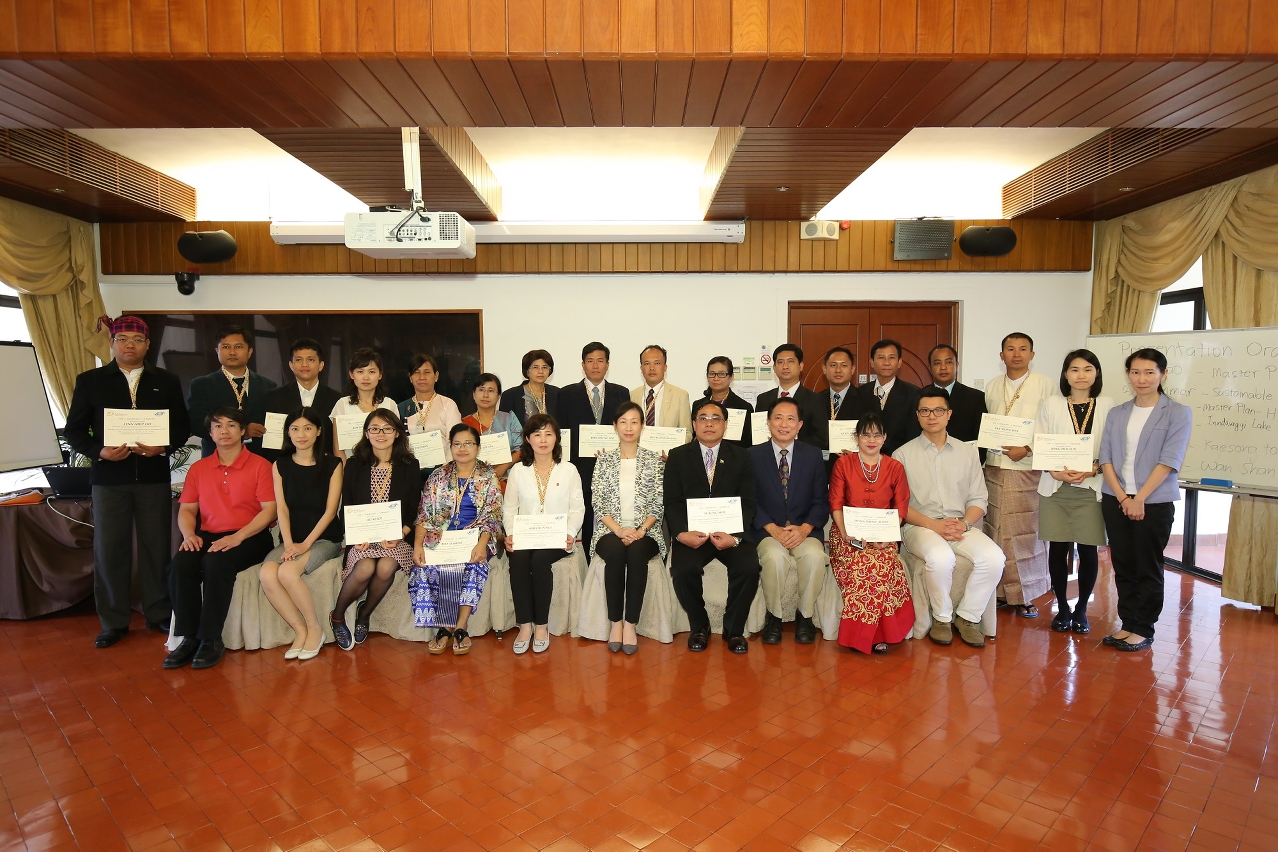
(423, 413)
(239, 394)
(1007, 385)
(539, 402)
(542, 487)
(1087, 415)
(133, 388)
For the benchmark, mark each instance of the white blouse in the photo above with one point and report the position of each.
(563, 496)
(344, 406)
(626, 493)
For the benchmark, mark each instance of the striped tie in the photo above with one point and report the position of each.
(650, 416)
(710, 466)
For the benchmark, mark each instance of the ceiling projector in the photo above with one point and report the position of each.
(418, 234)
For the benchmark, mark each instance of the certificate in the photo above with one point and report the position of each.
(373, 522)
(429, 449)
(540, 532)
(454, 547)
(591, 439)
(274, 437)
(872, 524)
(663, 439)
(998, 432)
(494, 448)
(737, 418)
(350, 428)
(759, 433)
(565, 443)
(715, 514)
(131, 426)
(842, 436)
(1061, 452)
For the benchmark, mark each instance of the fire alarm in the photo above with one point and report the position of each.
(844, 225)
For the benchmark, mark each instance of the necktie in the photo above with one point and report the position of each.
(784, 394)
(784, 470)
(650, 417)
(710, 466)
(837, 402)
(595, 404)
(881, 394)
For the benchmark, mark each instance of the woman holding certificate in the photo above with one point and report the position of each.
(426, 410)
(1071, 515)
(877, 609)
(487, 392)
(719, 388)
(1142, 448)
(628, 495)
(382, 469)
(365, 393)
(308, 491)
(461, 495)
(545, 492)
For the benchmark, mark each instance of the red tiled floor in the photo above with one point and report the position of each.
(1041, 740)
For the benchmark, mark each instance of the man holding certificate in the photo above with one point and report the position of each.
(130, 483)
(710, 483)
(228, 501)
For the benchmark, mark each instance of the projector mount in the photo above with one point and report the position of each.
(410, 138)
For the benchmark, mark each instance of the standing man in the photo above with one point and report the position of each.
(130, 484)
(306, 363)
(711, 467)
(232, 384)
(967, 403)
(895, 398)
(792, 504)
(839, 401)
(663, 404)
(787, 365)
(1012, 483)
(589, 402)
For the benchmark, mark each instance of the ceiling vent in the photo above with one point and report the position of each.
(923, 239)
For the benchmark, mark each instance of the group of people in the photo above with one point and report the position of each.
(914, 453)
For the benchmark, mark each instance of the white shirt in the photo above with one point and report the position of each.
(132, 375)
(944, 481)
(308, 396)
(789, 392)
(1140, 416)
(656, 399)
(714, 453)
(843, 397)
(626, 492)
(344, 406)
(886, 389)
(590, 397)
(1029, 392)
(563, 495)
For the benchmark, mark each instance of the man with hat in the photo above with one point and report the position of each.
(130, 483)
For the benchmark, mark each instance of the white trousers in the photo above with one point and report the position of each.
(774, 560)
(939, 556)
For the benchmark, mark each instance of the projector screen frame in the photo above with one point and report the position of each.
(7, 466)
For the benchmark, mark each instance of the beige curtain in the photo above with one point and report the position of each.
(50, 260)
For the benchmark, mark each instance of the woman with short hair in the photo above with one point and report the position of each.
(486, 392)
(534, 396)
(427, 410)
(719, 373)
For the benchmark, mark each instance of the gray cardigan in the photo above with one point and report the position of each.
(1163, 440)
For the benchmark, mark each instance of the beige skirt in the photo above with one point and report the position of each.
(1071, 514)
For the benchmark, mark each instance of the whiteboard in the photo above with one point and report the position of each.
(30, 438)
(1229, 378)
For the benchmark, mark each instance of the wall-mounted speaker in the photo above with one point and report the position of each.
(923, 239)
(987, 241)
(206, 246)
(819, 229)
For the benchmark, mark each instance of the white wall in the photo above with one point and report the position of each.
(695, 316)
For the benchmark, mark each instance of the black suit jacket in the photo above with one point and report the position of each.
(968, 404)
(287, 398)
(851, 406)
(685, 479)
(806, 499)
(809, 410)
(405, 486)
(213, 391)
(900, 416)
(106, 387)
(574, 410)
(512, 400)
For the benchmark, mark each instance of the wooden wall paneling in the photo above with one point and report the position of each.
(1157, 33)
(263, 28)
(1264, 28)
(808, 84)
(898, 34)
(671, 96)
(916, 76)
(339, 29)
(738, 90)
(936, 27)
(1193, 27)
(982, 111)
(375, 28)
(600, 27)
(972, 27)
(637, 27)
(538, 91)
(450, 28)
(711, 27)
(1122, 75)
(225, 20)
(412, 28)
(947, 80)
(504, 89)
(526, 27)
(1226, 87)
(34, 27)
(1045, 35)
(674, 27)
(1156, 88)
(725, 145)
(322, 76)
(571, 91)
(1054, 76)
(241, 95)
(638, 91)
(1009, 35)
(824, 22)
(434, 86)
(1119, 27)
(32, 82)
(392, 77)
(869, 92)
(787, 28)
(300, 91)
(488, 26)
(771, 89)
(862, 21)
(1083, 27)
(847, 75)
(1229, 28)
(83, 81)
(1068, 80)
(9, 28)
(704, 85)
(73, 26)
(603, 79)
(1240, 111)
(469, 86)
(563, 27)
(59, 114)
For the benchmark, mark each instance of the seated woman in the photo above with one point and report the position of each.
(365, 393)
(308, 493)
(877, 609)
(627, 491)
(382, 469)
(534, 396)
(541, 484)
(460, 495)
(719, 388)
(487, 392)
(426, 410)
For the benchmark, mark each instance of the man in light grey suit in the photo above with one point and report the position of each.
(663, 404)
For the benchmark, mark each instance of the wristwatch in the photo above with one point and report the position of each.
(737, 539)
(966, 524)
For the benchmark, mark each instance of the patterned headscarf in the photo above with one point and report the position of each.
(124, 324)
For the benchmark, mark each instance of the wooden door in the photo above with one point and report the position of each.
(819, 326)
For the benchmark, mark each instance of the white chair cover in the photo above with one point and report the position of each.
(914, 568)
(656, 619)
(496, 608)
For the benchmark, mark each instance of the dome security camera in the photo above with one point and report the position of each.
(186, 282)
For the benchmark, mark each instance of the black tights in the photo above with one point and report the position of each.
(375, 575)
(1058, 567)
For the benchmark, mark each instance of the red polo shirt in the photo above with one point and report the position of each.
(229, 496)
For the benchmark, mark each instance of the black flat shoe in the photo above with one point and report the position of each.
(1134, 646)
(109, 637)
(1111, 641)
(738, 645)
(698, 640)
(209, 654)
(1079, 625)
(182, 654)
(1060, 624)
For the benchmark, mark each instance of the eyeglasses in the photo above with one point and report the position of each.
(874, 436)
(137, 341)
(709, 418)
(467, 445)
(932, 412)
(718, 375)
(380, 430)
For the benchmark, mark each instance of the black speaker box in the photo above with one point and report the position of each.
(206, 246)
(987, 241)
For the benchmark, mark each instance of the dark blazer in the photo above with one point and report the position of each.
(968, 404)
(512, 400)
(106, 387)
(851, 407)
(900, 417)
(212, 391)
(734, 401)
(287, 398)
(574, 409)
(812, 413)
(405, 486)
(808, 491)
(686, 479)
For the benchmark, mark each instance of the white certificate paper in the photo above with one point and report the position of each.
(494, 448)
(274, 437)
(737, 418)
(872, 524)
(842, 436)
(149, 427)
(565, 443)
(540, 532)
(454, 547)
(429, 449)
(591, 439)
(715, 514)
(1061, 452)
(350, 428)
(759, 433)
(998, 431)
(662, 439)
(373, 522)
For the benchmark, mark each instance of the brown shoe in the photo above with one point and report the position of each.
(941, 633)
(969, 631)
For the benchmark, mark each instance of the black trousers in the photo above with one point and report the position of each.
(532, 583)
(1136, 549)
(687, 568)
(118, 512)
(201, 583)
(625, 575)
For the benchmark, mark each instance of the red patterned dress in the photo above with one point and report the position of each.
(876, 594)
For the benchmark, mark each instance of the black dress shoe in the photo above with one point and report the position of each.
(804, 630)
(209, 654)
(738, 644)
(182, 654)
(109, 637)
(698, 640)
(771, 633)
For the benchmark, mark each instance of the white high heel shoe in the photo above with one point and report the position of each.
(311, 653)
